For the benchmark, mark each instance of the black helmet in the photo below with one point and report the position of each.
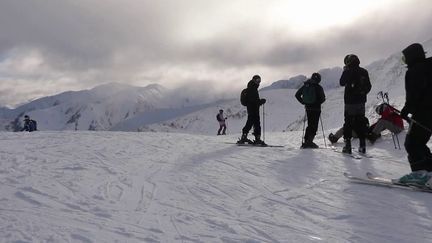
(26, 117)
(316, 77)
(256, 79)
(351, 60)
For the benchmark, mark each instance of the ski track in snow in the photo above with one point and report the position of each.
(162, 187)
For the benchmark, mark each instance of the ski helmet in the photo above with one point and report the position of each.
(316, 77)
(351, 60)
(256, 79)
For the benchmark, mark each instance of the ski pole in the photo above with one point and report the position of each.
(322, 128)
(394, 142)
(397, 139)
(304, 123)
(263, 122)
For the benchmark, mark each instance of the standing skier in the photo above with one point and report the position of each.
(418, 102)
(250, 98)
(222, 124)
(311, 95)
(357, 86)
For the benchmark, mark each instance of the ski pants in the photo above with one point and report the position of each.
(253, 119)
(313, 116)
(356, 121)
(419, 155)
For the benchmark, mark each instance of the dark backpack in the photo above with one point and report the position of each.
(33, 125)
(309, 95)
(243, 97)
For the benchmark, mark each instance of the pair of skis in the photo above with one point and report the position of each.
(372, 179)
(256, 145)
(354, 154)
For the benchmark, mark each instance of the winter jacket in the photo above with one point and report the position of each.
(418, 80)
(390, 114)
(29, 126)
(253, 99)
(319, 92)
(357, 85)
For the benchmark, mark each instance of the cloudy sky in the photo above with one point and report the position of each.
(50, 46)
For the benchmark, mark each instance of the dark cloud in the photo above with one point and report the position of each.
(137, 41)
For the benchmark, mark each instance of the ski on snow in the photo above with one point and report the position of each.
(355, 155)
(256, 145)
(372, 179)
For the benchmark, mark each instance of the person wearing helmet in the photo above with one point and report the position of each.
(311, 95)
(29, 124)
(253, 103)
(418, 103)
(222, 124)
(357, 85)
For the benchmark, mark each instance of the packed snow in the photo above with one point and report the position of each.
(173, 187)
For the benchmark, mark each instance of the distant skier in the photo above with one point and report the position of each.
(418, 103)
(222, 124)
(357, 86)
(311, 95)
(250, 98)
(29, 124)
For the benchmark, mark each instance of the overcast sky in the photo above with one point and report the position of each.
(50, 46)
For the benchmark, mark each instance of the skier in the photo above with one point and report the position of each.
(311, 95)
(29, 124)
(250, 98)
(418, 103)
(389, 119)
(357, 86)
(222, 124)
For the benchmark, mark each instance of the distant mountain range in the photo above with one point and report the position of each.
(120, 107)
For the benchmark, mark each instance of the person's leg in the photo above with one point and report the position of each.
(313, 121)
(419, 155)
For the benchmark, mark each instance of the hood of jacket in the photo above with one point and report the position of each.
(414, 53)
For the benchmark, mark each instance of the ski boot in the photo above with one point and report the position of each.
(309, 144)
(244, 139)
(347, 148)
(332, 138)
(419, 178)
(259, 142)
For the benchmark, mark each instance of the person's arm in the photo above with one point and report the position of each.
(298, 95)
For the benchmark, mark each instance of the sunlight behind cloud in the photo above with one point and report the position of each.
(314, 15)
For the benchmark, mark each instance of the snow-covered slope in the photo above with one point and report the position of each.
(97, 109)
(168, 187)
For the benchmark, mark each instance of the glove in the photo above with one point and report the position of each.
(263, 101)
(404, 113)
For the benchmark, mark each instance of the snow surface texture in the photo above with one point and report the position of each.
(172, 187)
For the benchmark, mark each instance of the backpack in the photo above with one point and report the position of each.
(309, 95)
(243, 97)
(218, 118)
(33, 125)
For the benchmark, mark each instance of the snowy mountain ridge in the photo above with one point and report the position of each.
(121, 107)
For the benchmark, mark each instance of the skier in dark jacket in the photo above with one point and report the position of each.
(29, 124)
(253, 103)
(357, 86)
(311, 95)
(418, 103)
